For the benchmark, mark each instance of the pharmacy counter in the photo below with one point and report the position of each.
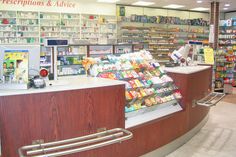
(86, 105)
(67, 109)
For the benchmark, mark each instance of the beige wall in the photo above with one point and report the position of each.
(230, 15)
(81, 7)
(165, 12)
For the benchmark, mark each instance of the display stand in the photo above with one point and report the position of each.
(150, 93)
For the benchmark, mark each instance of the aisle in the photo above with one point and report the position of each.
(218, 137)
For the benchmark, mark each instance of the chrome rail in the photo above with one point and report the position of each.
(75, 145)
(211, 99)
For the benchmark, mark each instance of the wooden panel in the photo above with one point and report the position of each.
(59, 115)
(152, 135)
(194, 87)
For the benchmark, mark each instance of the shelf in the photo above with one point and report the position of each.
(73, 55)
(7, 24)
(49, 31)
(7, 17)
(9, 37)
(8, 31)
(50, 26)
(70, 18)
(28, 25)
(71, 26)
(51, 19)
(70, 65)
(27, 32)
(69, 75)
(151, 113)
(45, 65)
(26, 18)
(29, 37)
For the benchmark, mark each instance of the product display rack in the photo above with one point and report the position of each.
(227, 38)
(108, 30)
(70, 26)
(19, 27)
(224, 69)
(90, 28)
(27, 27)
(49, 25)
(148, 88)
(69, 60)
(163, 37)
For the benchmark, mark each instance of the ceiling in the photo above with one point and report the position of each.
(189, 4)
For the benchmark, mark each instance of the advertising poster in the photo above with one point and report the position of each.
(16, 66)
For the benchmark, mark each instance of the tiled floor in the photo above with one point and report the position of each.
(218, 137)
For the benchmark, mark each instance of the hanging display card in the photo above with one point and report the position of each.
(209, 55)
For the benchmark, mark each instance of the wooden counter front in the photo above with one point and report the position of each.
(59, 115)
(67, 114)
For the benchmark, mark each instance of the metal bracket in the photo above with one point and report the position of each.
(194, 103)
(75, 145)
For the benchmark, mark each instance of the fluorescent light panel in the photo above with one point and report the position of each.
(227, 5)
(200, 9)
(199, 1)
(174, 6)
(143, 3)
(225, 8)
(107, 1)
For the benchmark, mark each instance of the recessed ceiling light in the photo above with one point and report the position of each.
(174, 6)
(199, 1)
(225, 8)
(107, 1)
(200, 9)
(227, 5)
(143, 3)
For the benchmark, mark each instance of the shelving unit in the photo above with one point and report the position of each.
(108, 30)
(70, 26)
(227, 38)
(46, 58)
(90, 28)
(163, 36)
(49, 25)
(224, 69)
(8, 27)
(27, 27)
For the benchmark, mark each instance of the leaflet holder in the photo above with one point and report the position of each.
(75, 145)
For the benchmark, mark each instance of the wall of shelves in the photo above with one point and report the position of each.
(164, 30)
(21, 27)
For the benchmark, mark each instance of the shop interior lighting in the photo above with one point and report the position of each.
(227, 5)
(174, 6)
(225, 8)
(107, 1)
(199, 1)
(200, 9)
(143, 3)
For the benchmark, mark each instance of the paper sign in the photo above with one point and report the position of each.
(209, 56)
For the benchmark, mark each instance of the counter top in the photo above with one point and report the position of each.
(64, 84)
(186, 69)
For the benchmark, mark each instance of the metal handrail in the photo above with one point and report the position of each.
(76, 145)
(209, 102)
